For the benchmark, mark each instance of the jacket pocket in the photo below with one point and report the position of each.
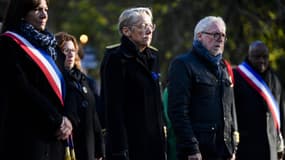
(206, 136)
(204, 87)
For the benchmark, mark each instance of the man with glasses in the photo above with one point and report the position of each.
(201, 99)
(131, 92)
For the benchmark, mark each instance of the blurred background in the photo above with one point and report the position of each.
(94, 23)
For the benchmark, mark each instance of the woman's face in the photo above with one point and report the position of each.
(39, 16)
(69, 51)
(141, 32)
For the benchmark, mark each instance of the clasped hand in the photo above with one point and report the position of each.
(65, 129)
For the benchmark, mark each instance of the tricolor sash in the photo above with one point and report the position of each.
(230, 71)
(258, 84)
(45, 63)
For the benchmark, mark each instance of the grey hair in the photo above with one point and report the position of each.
(130, 16)
(205, 23)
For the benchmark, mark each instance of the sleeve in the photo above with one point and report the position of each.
(71, 103)
(112, 81)
(179, 95)
(99, 141)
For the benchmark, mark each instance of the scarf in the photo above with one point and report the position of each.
(205, 54)
(44, 40)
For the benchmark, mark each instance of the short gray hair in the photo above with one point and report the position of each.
(205, 23)
(130, 16)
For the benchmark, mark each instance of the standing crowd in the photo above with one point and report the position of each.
(208, 110)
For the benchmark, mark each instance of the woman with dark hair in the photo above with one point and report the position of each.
(32, 121)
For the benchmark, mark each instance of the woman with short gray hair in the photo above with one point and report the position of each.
(131, 92)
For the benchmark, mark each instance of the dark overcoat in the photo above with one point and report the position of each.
(30, 111)
(80, 108)
(258, 136)
(131, 93)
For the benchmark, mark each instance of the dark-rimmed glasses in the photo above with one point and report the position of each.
(216, 35)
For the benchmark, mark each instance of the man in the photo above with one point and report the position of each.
(201, 98)
(131, 91)
(260, 107)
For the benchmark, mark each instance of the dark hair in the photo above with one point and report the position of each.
(17, 10)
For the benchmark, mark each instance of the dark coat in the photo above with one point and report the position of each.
(201, 107)
(30, 112)
(131, 93)
(257, 131)
(80, 107)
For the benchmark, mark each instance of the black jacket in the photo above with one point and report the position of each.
(30, 111)
(80, 108)
(257, 131)
(201, 107)
(131, 93)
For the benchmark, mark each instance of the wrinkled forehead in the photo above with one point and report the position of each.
(217, 27)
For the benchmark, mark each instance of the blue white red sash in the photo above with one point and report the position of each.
(45, 63)
(256, 81)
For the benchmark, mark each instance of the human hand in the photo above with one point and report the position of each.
(233, 157)
(196, 156)
(65, 129)
(280, 155)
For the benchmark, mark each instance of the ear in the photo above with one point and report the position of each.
(126, 31)
(199, 35)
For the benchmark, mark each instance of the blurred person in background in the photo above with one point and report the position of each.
(260, 106)
(80, 102)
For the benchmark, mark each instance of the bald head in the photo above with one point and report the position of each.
(258, 56)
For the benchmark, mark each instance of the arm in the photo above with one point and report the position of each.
(179, 97)
(112, 81)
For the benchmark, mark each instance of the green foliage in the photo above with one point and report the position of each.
(175, 19)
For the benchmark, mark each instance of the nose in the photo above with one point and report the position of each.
(148, 30)
(43, 14)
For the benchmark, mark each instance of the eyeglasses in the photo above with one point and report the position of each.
(145, 26)
(67, 50)
(216, 35)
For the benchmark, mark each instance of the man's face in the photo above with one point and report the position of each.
(213, 39)
(259, 58)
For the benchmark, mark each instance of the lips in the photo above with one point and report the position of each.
(217, 46)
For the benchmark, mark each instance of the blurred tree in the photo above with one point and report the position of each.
(175, 19)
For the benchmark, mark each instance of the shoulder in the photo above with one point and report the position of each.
(184, 57)
(275, 77)
(111, 49)
(113, 55)
(112, 46)
(152, 48)
(180, 61)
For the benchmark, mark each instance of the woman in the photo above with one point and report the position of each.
(131, 91)
(32, 122)
(80, 102)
